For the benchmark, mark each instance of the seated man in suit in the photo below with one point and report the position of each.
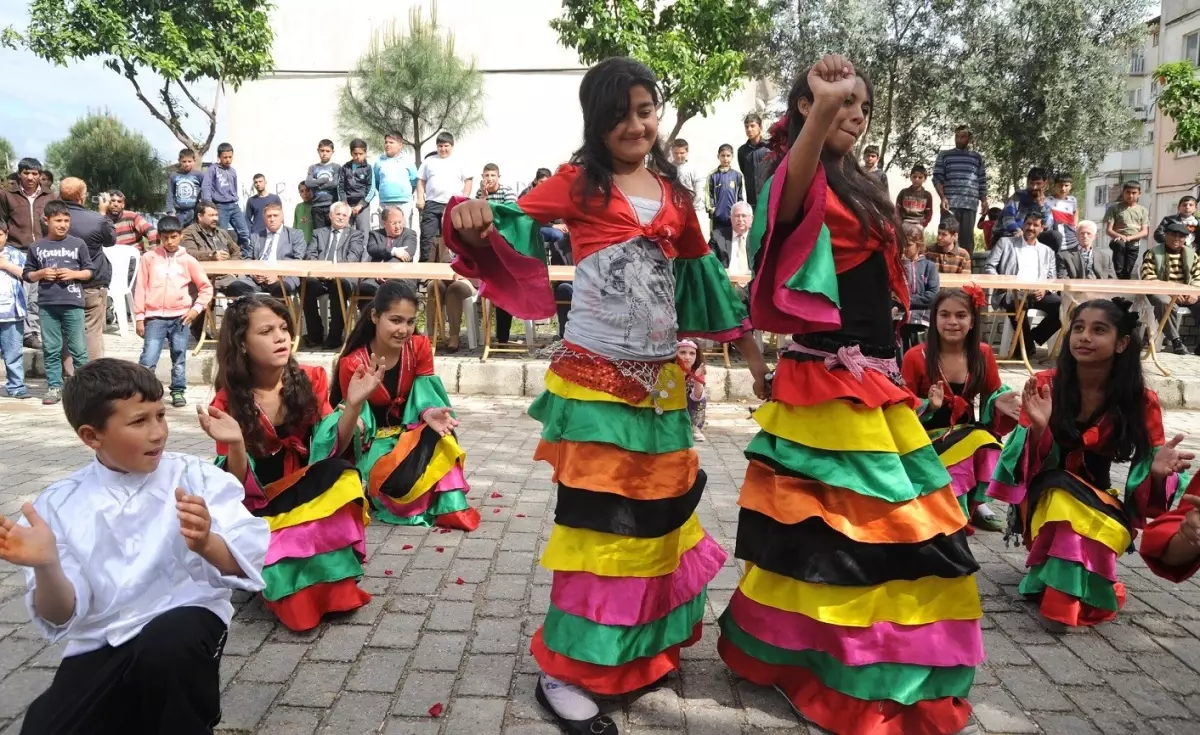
(1086, 261)
(205, 241)
(1025, 257)
(275, 243)
(338, 243)
(393, 243)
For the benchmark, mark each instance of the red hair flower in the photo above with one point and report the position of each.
(976, 294)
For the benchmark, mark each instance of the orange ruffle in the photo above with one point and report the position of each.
(466, 519)
(303, 610)
(608, 468)
(808, 383)
(841, 713)
(1071, 611)
(610, 680)
(870, 520)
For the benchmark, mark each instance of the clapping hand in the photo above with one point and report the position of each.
(28, 546)
(194, 521)
(365, 381)
(937, 395)
(1009, 404)
(220, 426)
(1189, 529)
(1037, 404)
(1169, 459)
(440, 420)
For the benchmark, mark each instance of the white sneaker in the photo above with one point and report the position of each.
(698, 435)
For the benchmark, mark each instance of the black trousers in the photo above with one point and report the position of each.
(431, 227)
(1049, 305)
(563, 292)
(1125, 259)
(320, 215)
(315, 288)
(503, 325)
(166, 681)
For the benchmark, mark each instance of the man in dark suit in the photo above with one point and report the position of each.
(273, 244)
(338, 243)
(393, 243)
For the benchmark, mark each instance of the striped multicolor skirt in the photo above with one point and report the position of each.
(415, 478)
(858, 600)
(969, 453)
(314, 561)
(630, 561)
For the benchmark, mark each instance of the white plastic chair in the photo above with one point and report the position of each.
(120, 290)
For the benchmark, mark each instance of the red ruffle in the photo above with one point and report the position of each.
(841, 713)
(610, 680)
(463, 520)
(809, 382)
(303, 610)
(1071, 611)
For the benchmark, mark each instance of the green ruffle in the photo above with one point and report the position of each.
(519, 230)
(288, 576)
(895, 478)
(1009, 464)
(989, 406)
(903, 683)
(450, 501)
(818, 273)
(705, 301)
(427, 392)
(758, 227)
(1073, 579)
(325, 434)
(634, 429)
(612, 645)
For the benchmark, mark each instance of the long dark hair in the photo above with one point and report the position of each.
(604, 97)
(854, 186)
(388, 294)
(235, 374)
(976, 365)
(1124, 393)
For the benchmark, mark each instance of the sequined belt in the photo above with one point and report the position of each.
(633, 381)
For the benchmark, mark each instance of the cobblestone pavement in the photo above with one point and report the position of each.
(426, 639)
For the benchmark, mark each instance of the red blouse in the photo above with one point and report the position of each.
(416, 359)
(851, 249)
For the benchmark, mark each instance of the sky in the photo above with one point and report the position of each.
(41, 101)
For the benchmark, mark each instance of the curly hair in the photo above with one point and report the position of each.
(235, 375)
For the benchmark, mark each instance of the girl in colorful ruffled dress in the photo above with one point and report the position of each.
(1076, 421)
(276, 433)
(950, 371)
(630, 561)
(691, 359)
(412, 463)
(858, 602)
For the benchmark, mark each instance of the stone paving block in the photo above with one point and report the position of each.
(243, 705)
(1062, 666)
(340, 643)
(20, 688)
(470, 571)
(1097, 653)
(274, 662)
(1186, 650)
(1146, 695)
(506, 587)
(1032, 690)
(230, 666)
(421, 691)
(997, 712)
(439, 651)
(422, 581)
(245, 637)
(411, 726)
(358, 713)
(496, 635)
(378, 671)
(531, 728)
(451, 616)
(1169, 672)
(476, 715)
(1060, 724)
(315, 685)
(397, 631)
(1110, 714)
(765, 708)
(487, 675)
(1174, 727)
(656, 708)
(17, 651)
(292, 721)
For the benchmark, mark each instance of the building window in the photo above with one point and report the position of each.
(1133, 98)
(1137, 62)
(1191, 47)
(1101, 195)
(1149, 137)
(1154, 39)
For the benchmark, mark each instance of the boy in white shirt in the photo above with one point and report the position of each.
(131, 560)
(441, 177)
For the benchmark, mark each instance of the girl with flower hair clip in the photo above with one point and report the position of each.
(691, 359)
(1077, 420)
(949, 372)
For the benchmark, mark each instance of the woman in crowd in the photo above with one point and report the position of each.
(413, 463)
(277, 434)
(1076, 421)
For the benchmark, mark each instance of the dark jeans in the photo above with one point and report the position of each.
(1125, 259)
(966, 228)
(431, 227)
(563, 292)
(166, 681)
(1171, 328)
(230, 216)
(1049, 305)
(362, 220)
(176, 334)
(910, 336)
(62, 325)
(320, 215)
(317, 287)
(186, 216)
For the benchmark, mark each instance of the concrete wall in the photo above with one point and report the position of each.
(1175, 173)
(532, 120)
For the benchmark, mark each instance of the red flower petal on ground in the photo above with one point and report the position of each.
(495, 510)
(520, 515)
(436, 710)
(497, 495)
(387, 572)
(439, 549)
(460, 580)
(406, 547)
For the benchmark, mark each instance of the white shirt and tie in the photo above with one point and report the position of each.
(334, 237)
(738, 262)
(271, 247)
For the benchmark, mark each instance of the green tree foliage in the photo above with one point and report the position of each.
(178, 41)
(104, 153)
(696, 48)
(8, 157)
(909, 49)
(411, 82)
(1043, 83)
(1179, 99)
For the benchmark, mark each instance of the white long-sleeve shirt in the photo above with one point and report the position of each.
(120, 546)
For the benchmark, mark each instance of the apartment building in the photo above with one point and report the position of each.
(1175, 174)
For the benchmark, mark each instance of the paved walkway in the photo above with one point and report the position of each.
(453, 614)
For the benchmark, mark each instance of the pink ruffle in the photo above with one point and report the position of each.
(343, 528)
(1058, 540)
(979, 467)
(728, 335)
(630, 601)
(944, 643)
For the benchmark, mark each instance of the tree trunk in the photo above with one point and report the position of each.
(679, 123)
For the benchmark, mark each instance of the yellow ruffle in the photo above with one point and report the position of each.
(1061, 505)
(347, 489)
(445, 454)
(967, 446)
(926, 600)
(611, 555)
(670, 380)
(840, 426)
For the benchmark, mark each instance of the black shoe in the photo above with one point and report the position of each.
(598, 725)
(33, 342)
(332, 344)
(1177, 347)
(311, 343)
